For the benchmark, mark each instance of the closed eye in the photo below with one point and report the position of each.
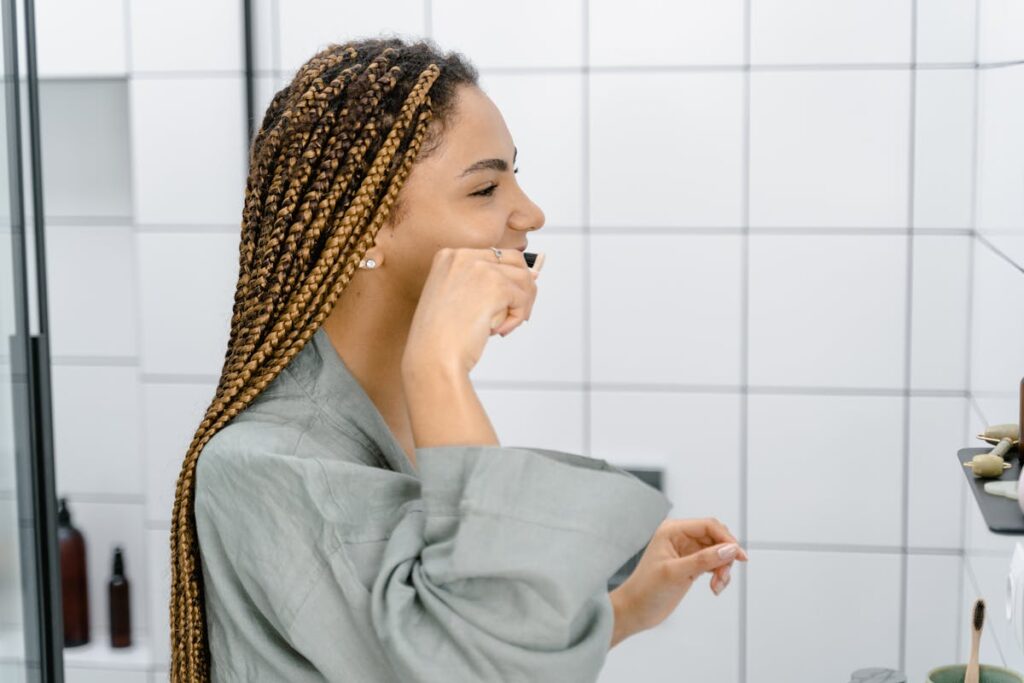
(489, 190)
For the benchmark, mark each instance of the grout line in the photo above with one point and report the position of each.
(998, 252)
(787, 546)
(691, 68)
(585, 218)
(97, 361)
(772, 230)
(744, 483)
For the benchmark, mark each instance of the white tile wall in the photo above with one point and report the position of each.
(943, 148)
(1001, 23)
(658, 33)
(188, 150)
(935, 486)
(700, 641)
(933, 613)
(829, 148)
(819, 616)
(997, 356)
(187, 292)
(306, 26)
(827, 310)
(665, 309)
(527, 33)
(98, 446)
(545, 419)
(211, 30)
(939, 309)
(666, 149)
(825, 470)
(836, 32)
(695, 438)
(550, 145)
(91, 277)
(81, 38)
(1000, 209)
(946, 31)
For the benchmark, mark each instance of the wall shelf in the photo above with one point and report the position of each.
(1002, 515)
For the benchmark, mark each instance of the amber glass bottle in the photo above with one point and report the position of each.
(120, 612)
(74, 584)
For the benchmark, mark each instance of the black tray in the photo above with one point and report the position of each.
(1002, 515)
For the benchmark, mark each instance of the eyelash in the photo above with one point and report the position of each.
(488, 191)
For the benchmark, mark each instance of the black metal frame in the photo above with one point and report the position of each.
(30, 366)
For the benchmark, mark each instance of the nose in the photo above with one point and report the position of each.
(527, 216)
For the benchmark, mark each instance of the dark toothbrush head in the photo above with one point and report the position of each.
(530, 258)
(979, 614)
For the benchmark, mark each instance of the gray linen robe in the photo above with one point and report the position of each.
(327, 556)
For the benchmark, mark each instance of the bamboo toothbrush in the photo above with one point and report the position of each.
(977, 622)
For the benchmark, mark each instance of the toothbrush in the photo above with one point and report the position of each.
(977, 622)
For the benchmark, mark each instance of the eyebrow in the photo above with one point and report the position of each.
(490, 164)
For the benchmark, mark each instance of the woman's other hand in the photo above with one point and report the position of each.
(680, 551)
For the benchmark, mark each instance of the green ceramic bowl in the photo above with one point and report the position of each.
(989, 674)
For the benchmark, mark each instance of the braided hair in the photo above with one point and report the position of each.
(325, 168)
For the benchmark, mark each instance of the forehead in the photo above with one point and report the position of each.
(475, 130)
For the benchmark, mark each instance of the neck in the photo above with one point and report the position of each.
(369, 326)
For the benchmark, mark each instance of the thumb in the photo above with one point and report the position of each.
(706, 560)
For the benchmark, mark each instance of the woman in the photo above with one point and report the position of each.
(353, 516)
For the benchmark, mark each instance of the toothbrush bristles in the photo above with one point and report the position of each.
(979, 614)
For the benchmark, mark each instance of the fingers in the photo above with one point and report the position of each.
(720, 579)
(706, 531)
(706, 560)
(520, 294)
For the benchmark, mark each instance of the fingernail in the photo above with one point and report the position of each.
(725, 576)
(728, 552)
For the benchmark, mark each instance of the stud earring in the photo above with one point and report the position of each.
(368, 263)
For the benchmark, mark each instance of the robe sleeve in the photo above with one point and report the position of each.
(492, 567)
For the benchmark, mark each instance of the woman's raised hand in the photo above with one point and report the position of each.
(468, 296)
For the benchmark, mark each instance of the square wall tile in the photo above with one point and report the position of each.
(933, 613)
(158, 552)
(307, 26)
(1001, 25)
(92, 291)
(666, 149)
(943, 148)
(827, 310)
(836, 32)
(845, 607)
(937, 490)
(160, 29)
(105, 526)
(656, 33)
(1000, 216)
(550, 147)
(695, 438)
(997, 355)
(97, 438)
(829, 149)
(80, 38)
(187, 285)
(699, 640)
(825, 469)
(547, 347)
(945, 31)
(665, 309)
(938, 357)
(494, 34)
(172, 416)
(189, 150)
(549, 418)
(85, 148)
